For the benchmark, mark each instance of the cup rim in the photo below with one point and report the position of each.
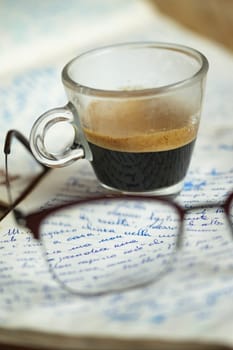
(161, 90)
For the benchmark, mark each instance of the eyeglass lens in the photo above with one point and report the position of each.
(108, 245)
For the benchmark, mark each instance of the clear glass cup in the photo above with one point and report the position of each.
(134, 110)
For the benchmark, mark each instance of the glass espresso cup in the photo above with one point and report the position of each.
(135, 111)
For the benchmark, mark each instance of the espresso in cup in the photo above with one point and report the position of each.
(140, 146)
(134, 109)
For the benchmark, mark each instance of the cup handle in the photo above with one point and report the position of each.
(38, 134)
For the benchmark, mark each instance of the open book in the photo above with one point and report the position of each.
(191, 306)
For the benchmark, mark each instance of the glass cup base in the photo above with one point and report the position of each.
(171, 191)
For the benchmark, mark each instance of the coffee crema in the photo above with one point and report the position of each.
(152, 142)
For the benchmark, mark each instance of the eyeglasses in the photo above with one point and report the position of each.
(105, 243)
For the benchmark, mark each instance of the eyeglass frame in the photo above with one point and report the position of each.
(33, 220)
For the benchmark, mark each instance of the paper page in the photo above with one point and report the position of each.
(194, 300)
(35, 34)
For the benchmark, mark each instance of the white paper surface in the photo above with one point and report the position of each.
(194, 301)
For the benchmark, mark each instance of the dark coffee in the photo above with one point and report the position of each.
(134, 156)
(144, 171)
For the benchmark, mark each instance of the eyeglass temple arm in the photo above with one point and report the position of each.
(20, 137)
(7, 150)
